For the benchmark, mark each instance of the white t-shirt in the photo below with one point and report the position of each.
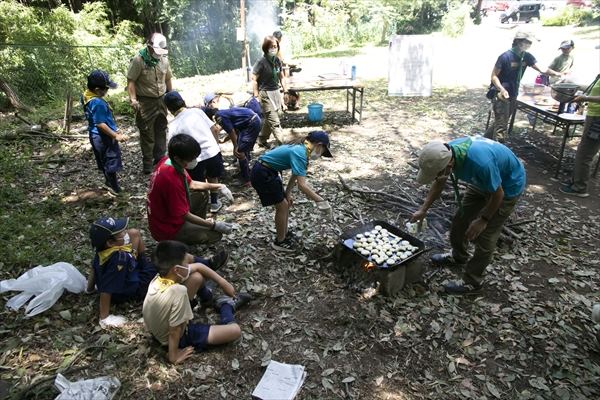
(193, 122)
(166, 308)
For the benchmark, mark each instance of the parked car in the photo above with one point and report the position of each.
(579, 3)
(489, 6)
(526, 12)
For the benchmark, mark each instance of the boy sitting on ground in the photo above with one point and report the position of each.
(167, 309)
(121, 270)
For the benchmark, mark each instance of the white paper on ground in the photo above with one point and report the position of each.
(280, 382)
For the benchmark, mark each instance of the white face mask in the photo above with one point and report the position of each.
(315, 155)
(191, 164)
(126, 239)
(155, 56)
(272, 52)
(524, 46)
(187, 274)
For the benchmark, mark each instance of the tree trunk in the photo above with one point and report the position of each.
(12, 96)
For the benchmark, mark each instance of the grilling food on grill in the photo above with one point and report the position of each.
(383, 247)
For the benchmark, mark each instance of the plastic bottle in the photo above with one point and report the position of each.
(353, 73)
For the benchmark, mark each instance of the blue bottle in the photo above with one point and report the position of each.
(353, 73)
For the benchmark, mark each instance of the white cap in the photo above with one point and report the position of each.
(526, 35)
(433, 158)
(158, 42)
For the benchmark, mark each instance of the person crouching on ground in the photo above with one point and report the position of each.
(167, 310)
(121, 271)
(172, 211)
(209, 167)
(265, 178)
(104, 135)
(242, 126)
(496, 179)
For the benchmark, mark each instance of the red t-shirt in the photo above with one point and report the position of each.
(167, 201)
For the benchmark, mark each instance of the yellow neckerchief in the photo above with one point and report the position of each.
(163, 284)
(309, 149)
(88, 95)
(176, 113)
(105, 254)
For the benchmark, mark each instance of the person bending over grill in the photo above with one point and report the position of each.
(495, 180)
(266, 179)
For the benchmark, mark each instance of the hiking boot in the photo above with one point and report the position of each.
(460, 287)
(218, 260)
(216, 207)
(287, 245)
(241, 300)
(572, 192)
(445, 259)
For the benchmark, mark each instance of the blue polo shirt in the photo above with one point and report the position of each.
(508, 64)
(287, 157)
(235, 117)
(97, 111)
(490, 164)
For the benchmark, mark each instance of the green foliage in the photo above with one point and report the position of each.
(456, 20)
(573, 16)
(43, 52)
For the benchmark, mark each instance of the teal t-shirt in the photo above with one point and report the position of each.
(287, 157)
(490, 164)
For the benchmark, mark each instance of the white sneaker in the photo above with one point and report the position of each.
(216, 207)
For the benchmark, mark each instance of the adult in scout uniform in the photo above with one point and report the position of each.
(267, 75)
(506, 77)
(496, 180)
(148, 79)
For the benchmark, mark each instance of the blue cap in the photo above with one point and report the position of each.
(321, 137)
(104, 228)
(172, 98)
(208, 98)
(99, 78)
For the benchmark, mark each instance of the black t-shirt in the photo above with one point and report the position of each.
(508, 64)
(263, 69)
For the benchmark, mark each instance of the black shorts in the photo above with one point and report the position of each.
(209, 168)
(268, 184)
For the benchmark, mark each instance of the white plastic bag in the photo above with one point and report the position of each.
(103, 388)
(46, 284)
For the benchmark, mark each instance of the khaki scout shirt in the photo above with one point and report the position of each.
(149, 81)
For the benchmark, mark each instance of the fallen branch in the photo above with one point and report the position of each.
(509, 232)
(375, 192)
(523, 222)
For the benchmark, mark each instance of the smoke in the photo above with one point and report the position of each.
(261, 21)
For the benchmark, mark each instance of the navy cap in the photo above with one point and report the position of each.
(323, 138)
(208, 98)
(105, 228)
(99, 78)
(172, 98)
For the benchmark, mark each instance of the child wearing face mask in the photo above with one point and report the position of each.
(266, 179)
(174, 213)
(121, 271)
(208, 166)
(167, 310)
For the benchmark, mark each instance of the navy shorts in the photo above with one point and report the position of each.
(247, 137)
(268, 184)
(210, 168)
(195, 335)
